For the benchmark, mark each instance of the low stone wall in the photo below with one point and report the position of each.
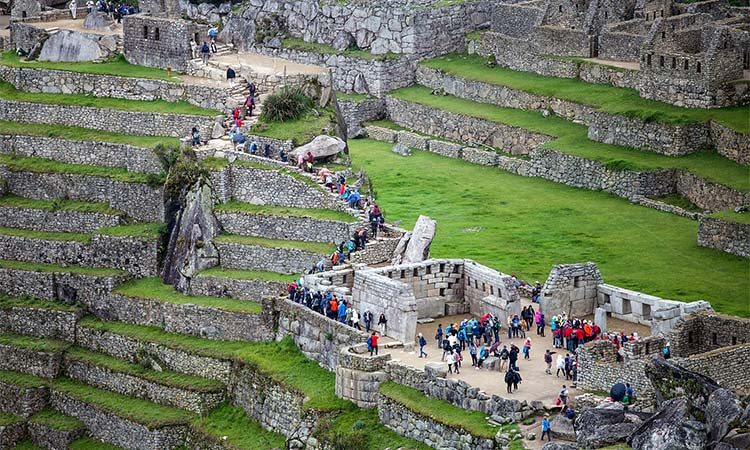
(137, 200)
(359, 375)
(45, 436)
(376, 252)
(728, 366)
(116, 430)
(407, 375)
(118, 121)
(195, 320)
(591, 72)
(416, 426)
(730, 143)
(12, 433)
(252, 290)
(286, 227)
(519, 54)
(45, 323)
(138, 256)
(22, 401)
(317, 336)
(39, 363)
(98, 85)
(730, 237)
(708, 195)
(255, 257)
(356, 112)
(134, 159)
(66, 221)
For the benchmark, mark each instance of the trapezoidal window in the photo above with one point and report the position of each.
(674, 63)
(661, 61)
(156, 34)
(686, 65)
(698, 67)
(145, 32)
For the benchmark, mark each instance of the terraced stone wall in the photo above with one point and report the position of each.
(381, 295)
(623, 41)
(46, 323)
(376, 252)
(356, 112)
(128, 122)
(60, 220)
(487, 290)
(728, 366)
(106, 154)
(21, 401)
(137, 200)
(359, 375)
(287, 227)
(730, 237)
(252, 290)
(730, 143)
(97, 85)
(272, 259)
(707, 195)
(64, 287)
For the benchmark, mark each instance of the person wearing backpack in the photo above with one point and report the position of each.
(546, 428)
(205, 51)
(422, 342)
(372, 342)
(548, 360)
(504, 355)
(439, 335)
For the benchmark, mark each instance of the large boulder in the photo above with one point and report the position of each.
(674, 427)
(562, 428)
(418, 248)
(97, 21)
(672, 381)
(321, 147)
(723, 412)
(71, 46)
(343, 41)
(238, 31)
(598, 427)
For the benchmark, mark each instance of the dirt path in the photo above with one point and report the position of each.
(267, 64)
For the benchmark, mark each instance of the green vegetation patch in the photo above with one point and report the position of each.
(85, 134)
(731, 216)
(26, 445)
(117, 66)
(52, 268)
(440, 411)
(312, 247)
(154, 289)
(89, 443)
(58, 204)
(269, 210)
(573, 139)
(679, 201)
(247, 274)
(361, 429)
(605, 98)
(45, 235)
(281, 361)
(527, 225)
(29, 302)
(56, 420)
(9, 92)
(8, 419)
(23, 380)
(165, 378)
(214, 163)
(231, 424)
(40, 165)
(145, 230)
(33, 344)
(325, 49)
(299, 131)
(148, 414)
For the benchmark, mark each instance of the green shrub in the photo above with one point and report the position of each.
(286, 104)
(355, 440)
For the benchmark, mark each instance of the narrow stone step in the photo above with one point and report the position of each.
(31, 355)
(57, 215)
(124, 421)
(239, 284)
(35, 317)
(194, 394)
(273, 255)
(149, 302)
(50, 429)
(22, 394)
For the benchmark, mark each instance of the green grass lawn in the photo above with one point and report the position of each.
(88, 443)
(154, 289)
(59, 204)
(362, 429)
(164, 377)
(56, 420)
(573, 139)
(605, 98)
(85, 134)
(247, 274)
(9, 92)
(731, 216)
(527, 225)
(143, 230)
(40, 165)
(28, 302)
(53, 268)
(117, 66)
(270, 210)
(45, 235)
(22, 379)
(281, 361)
(33, 344)
(231, 424)
(312, 247)
(299, 131)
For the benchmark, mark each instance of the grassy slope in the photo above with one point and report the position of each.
(85, 134)
(144, 230)
(604, 97)
(118, 66)
(21, 379)
(33, 344)
(371, 433)
(46, 235)
(154, 289)
(27, 302)
(312, 247)
(731, 216)
(573, 139)
(8, 419)
(59, 204)
(282, 361)
(247, 274)
(269, 210)
(56, 420)
(88, 443)
(232, 424)
(528, 225)
(300, 131)
(9, 92)
(52, 268)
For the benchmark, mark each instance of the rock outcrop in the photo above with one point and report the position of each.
(418, 248)
(672, 381)
(71, 46)
(321, 147)
(674, 427)
(604, 425)
(98, 21)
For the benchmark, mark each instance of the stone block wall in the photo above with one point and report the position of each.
(22, 401)
(487, 290)
(357, 112)
(591, 72)
(317, 336)
(571, 288)
(707, 195)
(64, 287)
(45, 364)
(46, 323)
(137, 200)
(160, 42)
(376, 252)
(619, 45)
(255, 257)
(286, 227)
(728, 366)
(730, 143)
(127, 122)
(252, 290)
(134, 159)
(381, 295)
(708, 331)
(97, 85)
(730, 237)
(358, 376)
(60, 220)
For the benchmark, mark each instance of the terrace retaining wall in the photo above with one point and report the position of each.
(730, 237)
(67, 221)
(286, 227)
(252, 290)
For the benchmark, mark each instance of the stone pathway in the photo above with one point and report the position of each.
(622, 64)
(77, 25)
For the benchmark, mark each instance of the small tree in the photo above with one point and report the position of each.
(288, 103)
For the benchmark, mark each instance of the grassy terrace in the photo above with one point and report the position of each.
(312, 247)
(88, 443)
(85, 134)
(214, 164)
(142, 230)
(325, 49)
(56, 420)
(154, 289)
(527, 225)
(573, 139)
(605, 98)
(28, 302)
(440, 411)
(731, 216)
(40, 165)
(269, 210)
(33, 344)
(140, 411)
(281, 361)
(247, 274)
(299, 131)
(59, 204)
(165, 378)
(363, 427)
(9, 92)
(52, 268)
(8, 419)
(117, 66)
(21, 379)
(230, 424)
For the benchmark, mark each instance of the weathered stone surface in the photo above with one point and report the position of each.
(418, 248)
(343, 41)
(321, 147)
(562, 428)
(401, 149)
(98, 21)
(723, 412)
(671, 381)
(674, 427)
(599, 427)
(70, 46)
